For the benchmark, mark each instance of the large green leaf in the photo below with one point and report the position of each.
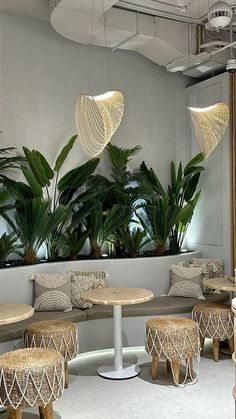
(19, 190)
(193, 162)
(46, 170)
(152, 179)
(191, 187)
(64, 153)
(184, 216)
(33, 163)
(180, 172)
(75, 178)
(173, 176)
(79, 216)
(32, 181)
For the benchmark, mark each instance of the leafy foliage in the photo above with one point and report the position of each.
(32, 224)
(8, 162)
(43, 181)
(131, 240)
(8, 245)
(168, 214)
(63, 212)
(73, 241)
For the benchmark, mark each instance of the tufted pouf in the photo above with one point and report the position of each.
(59, 335)
(174, 339)
(31, 377)
(216, 322)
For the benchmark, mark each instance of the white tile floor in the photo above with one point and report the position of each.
(92, 397)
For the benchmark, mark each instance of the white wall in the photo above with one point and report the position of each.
(210, 230)
(42, 73)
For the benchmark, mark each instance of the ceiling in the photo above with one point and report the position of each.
(195, 8)
(164, 40)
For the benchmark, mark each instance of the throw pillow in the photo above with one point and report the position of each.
(181, 273)
(99, 277)
(85, 281)
(81, 283)
(186, 289)
(211, 268)
(52, 292)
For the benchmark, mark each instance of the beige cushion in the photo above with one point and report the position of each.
(156, 307)
(52, 292)
(185, 282)
(99, 277)
(81, 283)
(211, 268)
(181, 273)
(187, 289)
(85, 281)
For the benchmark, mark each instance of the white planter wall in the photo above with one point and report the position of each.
(151, 273)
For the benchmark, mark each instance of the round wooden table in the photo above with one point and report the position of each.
(223, 284)
(12, 313)
(118, 297)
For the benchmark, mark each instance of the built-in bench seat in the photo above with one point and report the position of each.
(156, 307)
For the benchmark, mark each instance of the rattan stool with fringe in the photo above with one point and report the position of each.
(175, 339)
(31, 377)
(60, 335)
(216, 321)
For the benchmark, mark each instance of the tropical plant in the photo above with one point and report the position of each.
(100, 224)
(44, 183)
(73, 241)
(118, 189)
(168, 214)
(130, 240)
(183, 196)
(119, 158)
(31, 224)
(8, 245)
(8, 162)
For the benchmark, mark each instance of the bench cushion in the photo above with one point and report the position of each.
(156, 307)
(14, 331)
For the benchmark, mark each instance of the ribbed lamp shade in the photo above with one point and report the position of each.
(97, 119)
(210, 124)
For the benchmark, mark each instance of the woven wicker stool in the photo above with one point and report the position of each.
(216, 321)
(59, 335)
(31, 377)
(174, 339)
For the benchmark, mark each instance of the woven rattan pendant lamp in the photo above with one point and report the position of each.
(98, 117)
(210, 124)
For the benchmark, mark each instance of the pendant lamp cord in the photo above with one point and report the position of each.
(90, 50)
(106, 45)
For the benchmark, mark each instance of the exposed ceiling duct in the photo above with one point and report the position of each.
(171, 41)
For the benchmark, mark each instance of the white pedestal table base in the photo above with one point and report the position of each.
(128, 371)
(118, 372)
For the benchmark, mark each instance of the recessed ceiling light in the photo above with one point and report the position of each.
(183, 9)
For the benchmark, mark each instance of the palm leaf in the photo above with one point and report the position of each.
(64, 153)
